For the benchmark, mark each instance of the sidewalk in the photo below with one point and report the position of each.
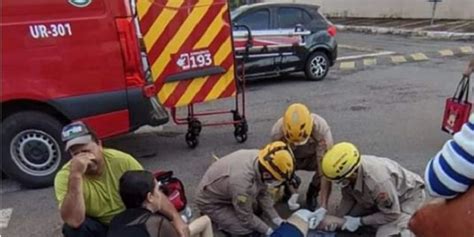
(441, 29)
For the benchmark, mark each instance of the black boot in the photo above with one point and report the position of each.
(295, 182)
(311, 197)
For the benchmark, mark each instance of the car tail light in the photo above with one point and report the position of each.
(332, 30)
(130, 52)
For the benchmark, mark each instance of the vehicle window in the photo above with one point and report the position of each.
(320, 20)
(258, 20)
(306, 16)
(289, 17)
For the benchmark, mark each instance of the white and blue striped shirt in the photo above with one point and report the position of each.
(451, 171)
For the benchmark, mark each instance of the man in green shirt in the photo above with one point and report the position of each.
(87, 186)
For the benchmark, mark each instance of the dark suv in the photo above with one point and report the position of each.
(314, 55)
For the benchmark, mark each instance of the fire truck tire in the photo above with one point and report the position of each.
(317, 66)
(32, 151)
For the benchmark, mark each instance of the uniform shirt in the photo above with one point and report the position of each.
(319, 142)
(101, 195)
(235, 180)
(383, 185)
(140, 222)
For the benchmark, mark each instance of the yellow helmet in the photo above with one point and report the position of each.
(340, 161)
(277, 158)
(297, 124)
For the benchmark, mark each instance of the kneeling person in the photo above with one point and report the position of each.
(376, 192)
(237, 184)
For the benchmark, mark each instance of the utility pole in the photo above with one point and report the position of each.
(435, 3)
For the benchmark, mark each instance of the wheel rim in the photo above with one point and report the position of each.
(35, 152)
(318, 66)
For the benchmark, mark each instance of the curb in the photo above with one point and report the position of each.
(397, 59)
(397, 31)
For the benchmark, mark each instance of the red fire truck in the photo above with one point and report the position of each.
(65, 60)
(114, 64)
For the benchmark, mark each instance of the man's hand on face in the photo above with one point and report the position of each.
(80, 162)
(181, 228)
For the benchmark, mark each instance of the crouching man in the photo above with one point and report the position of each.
(237, 184)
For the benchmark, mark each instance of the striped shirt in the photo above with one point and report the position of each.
(451, 171)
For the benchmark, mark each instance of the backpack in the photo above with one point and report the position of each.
(173, 188)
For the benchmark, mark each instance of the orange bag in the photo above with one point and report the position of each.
(446, 218)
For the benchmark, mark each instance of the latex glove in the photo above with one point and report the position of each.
(293, 202)
(312, 218)
(351, 224)
(277, 221)
(269, 232)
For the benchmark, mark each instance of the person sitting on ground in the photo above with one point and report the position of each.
(86, 187)
(140, 193)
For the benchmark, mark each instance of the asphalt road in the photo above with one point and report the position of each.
(388, 110)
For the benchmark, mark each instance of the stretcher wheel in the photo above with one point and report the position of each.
(191, 140)
(194, 129)
(240, 132)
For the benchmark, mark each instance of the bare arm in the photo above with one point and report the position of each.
(469, 68)
(73, 208)
(167, 209)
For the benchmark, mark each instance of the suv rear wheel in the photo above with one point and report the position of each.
(317, 66)
(32, 151)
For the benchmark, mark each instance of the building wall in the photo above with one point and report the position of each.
(448, 9)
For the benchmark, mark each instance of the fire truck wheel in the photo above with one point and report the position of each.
(317, 66)
(32, 151)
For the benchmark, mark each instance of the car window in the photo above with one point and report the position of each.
(320, 19)
(289, 17)
(306, 16)
(258, 20)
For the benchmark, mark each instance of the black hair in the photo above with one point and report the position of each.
(134, 187)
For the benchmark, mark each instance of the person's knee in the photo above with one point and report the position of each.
(206, 219)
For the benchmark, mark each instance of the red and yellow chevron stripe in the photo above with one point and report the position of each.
(173, 28)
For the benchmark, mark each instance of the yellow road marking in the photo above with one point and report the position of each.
(446, 52)
(370, 61)
(398, 59)
(347, 65)
(419, 56)
(466, 49)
